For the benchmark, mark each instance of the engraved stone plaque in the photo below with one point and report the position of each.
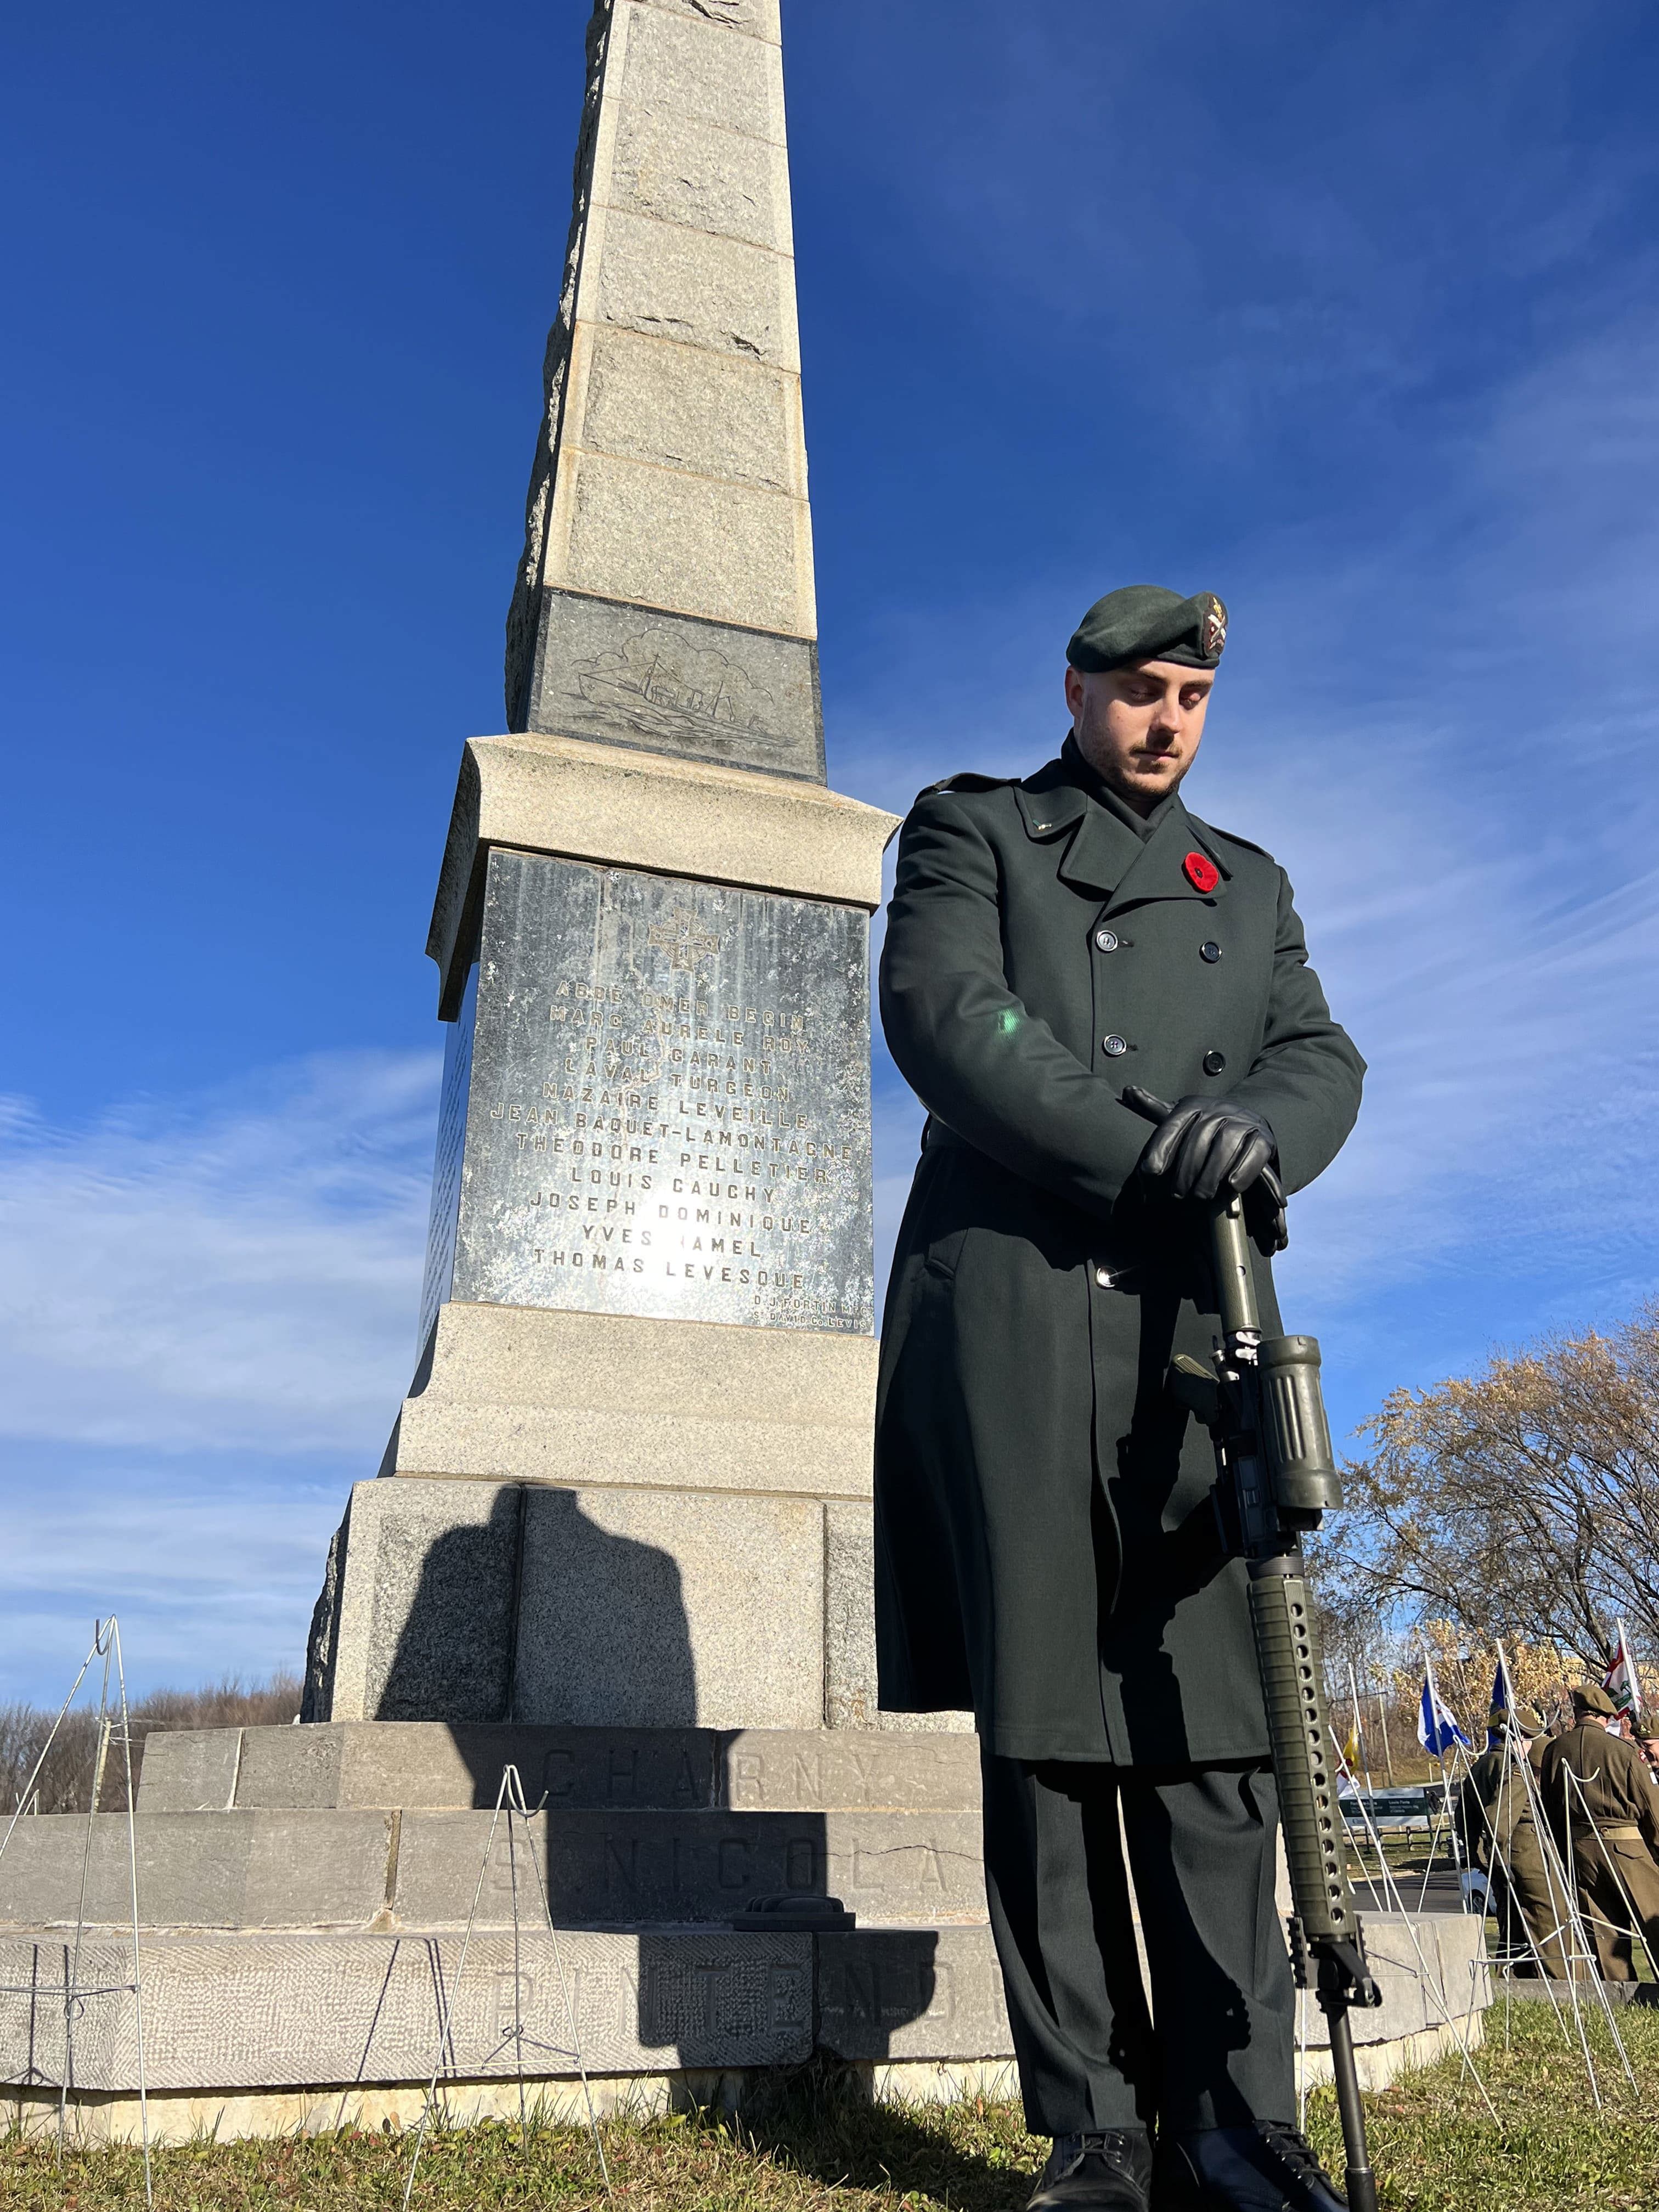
(673, 684)
(667, 1107)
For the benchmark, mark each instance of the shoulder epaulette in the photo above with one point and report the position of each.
(968, 780)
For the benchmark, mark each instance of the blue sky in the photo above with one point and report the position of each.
(1350, 316)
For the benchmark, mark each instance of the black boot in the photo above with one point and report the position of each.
(1110, 2171)
(1266, 2168)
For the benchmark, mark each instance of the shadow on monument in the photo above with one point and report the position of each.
(544, 1639)
(540, 1616)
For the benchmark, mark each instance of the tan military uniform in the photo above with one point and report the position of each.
(1500, 1836)
(1617, 1864)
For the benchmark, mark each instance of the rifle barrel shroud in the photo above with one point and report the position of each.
(1262, 1404)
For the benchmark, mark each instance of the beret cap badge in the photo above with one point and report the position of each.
(1143, 622)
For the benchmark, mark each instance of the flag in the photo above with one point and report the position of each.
(1351, 1749)
(1503, 1698)
(1619, 1680)
(1436, 1724)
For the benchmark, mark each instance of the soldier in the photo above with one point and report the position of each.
(1048, 1545)
(1611, 1822)
(1647, 1742)
(1500, 1837)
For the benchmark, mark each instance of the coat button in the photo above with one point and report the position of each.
(1106, 939)
(1209, 951)
(1114, 1045)
(1214, 1062)
(1104, 1276)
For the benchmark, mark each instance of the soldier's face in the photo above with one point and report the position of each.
(1139, 728)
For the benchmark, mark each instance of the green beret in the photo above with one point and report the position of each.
(1497, 1723)
(1143, 621)
(1591, 1697)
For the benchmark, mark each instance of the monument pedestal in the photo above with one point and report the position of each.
(631, 1482)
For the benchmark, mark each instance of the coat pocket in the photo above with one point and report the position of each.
(947, 1218)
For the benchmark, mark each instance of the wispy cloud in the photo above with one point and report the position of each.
(235, 1271)
(211, 1564)
(1473, 842)
(207, 1319)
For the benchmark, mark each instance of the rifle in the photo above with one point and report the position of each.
(1261, 1402)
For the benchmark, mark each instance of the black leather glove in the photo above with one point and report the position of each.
(1203, 1147)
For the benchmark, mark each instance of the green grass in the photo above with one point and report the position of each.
(1435, 2147)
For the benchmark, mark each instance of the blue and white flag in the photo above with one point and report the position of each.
(1503, 1698)
(1436, 1724)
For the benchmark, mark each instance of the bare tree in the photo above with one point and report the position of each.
(64, 1783)
(1523, 1502)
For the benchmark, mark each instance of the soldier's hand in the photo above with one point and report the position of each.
(1264, 1214)
(1204, 1147)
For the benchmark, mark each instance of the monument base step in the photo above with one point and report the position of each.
(434, 1765)
(362, 1869)
(252, 2034)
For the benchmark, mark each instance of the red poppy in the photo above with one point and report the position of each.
(1203, 874)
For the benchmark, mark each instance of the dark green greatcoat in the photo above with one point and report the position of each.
(1046, 1542)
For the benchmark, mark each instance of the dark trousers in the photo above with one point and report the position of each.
(1201, 1852)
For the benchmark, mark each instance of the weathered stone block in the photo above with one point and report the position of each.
(643, 1607)
(694, 545)
(628, 1868)
(836, 1768)
(195, 1771)
(849, 1628)
(469, 1602)
(758, 19)
(911, 1994)
(718, 293)
(269, 2009)
(682, 61)
(276, 1869)
(682, 169)
(421, 1765)
(706, 414)
(426, 1610)
(515, 1392)
(1432, 1969)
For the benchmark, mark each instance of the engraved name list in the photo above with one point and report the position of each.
(667, 1107)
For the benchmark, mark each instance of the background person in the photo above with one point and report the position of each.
(1611, 1825)
(1500, 1837)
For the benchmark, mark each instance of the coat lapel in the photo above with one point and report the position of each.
(1103, 852)
(1157, 871)
(1099, 854)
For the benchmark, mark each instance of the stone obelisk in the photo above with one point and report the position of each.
(630, 1484)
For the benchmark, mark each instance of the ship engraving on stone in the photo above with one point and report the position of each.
(675, 684)
(689, 698)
